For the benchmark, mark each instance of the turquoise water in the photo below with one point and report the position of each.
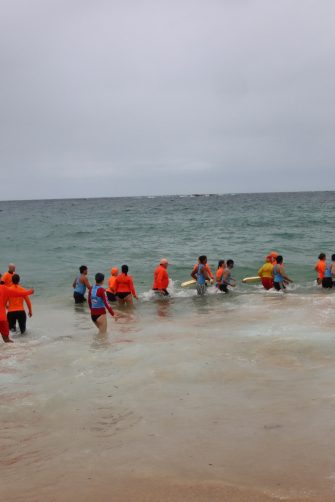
(48, 240)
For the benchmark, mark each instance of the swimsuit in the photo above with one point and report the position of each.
(278, 279)
(327, 281)
(79, 291)
(201, 281)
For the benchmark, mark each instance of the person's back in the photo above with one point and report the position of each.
(15, 307)
(266, 273)
(207, 268)
(5, 294)
(98, 303)
(320, 267)
(161, 278)
(111, 290)
(219, 272)
(124, 286)
(332, 268)
(280, 278)
(80, 284)
(123, 283)
(327, 281)
(200, 274)
(226, 277)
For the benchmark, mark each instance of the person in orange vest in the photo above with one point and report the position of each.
(5, 294)
(7, 276)
(110, 291)
(15, 307)
(124, 287)
(320, 267)
(161, 278)
(219, 273)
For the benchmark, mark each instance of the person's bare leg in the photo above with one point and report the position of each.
(101, 324)
(6, 339)
(128, 300)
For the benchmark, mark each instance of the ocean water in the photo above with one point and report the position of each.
(236, 390)
(48, 240)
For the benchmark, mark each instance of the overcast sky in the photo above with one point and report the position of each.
(132, 97)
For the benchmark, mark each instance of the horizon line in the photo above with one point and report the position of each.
(192, 194)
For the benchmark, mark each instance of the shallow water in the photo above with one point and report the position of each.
(235, 388)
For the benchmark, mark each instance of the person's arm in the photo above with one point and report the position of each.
(205, 273)
(89, 298)
(12, 293)
(102, 294)
(208, 269)
(260, 271)
(30, 309)
(86, 282)
(132, 289)
(228, 279)
(283, 273)
(194, 272)
(74, 283)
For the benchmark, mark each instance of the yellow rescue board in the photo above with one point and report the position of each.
(186, 284)
(250, 280)
(192, 282)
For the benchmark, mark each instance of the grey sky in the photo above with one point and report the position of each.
(107, 98)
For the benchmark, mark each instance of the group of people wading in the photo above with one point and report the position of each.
(273, 274)
(12, 309)
(121, 288)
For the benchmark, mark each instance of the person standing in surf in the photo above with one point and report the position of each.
(80, 284)
(219, 273)
(124, 287)
(201, 275)
(15, 307)
(227, 279)
(320, 267)
(207, 267)
(266, 273)
(111, 285)
(332, 269)
(161, 278)
(327, 281)
(280, 279)
(98, 303)
(5, 294)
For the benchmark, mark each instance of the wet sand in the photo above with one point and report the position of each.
(170, 410)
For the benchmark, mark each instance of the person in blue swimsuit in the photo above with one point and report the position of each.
(201, 275)
(332, 269)
(80, 284)
(98, 303)
(280, 279)
(327, 281)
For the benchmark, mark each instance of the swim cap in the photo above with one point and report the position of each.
(163, 261)
(114, 271)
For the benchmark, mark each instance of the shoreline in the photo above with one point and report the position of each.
(153, 489)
